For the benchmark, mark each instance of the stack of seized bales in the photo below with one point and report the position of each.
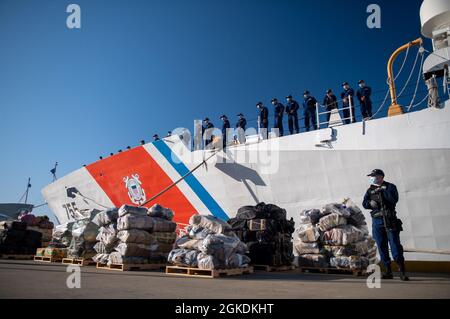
(136, 236)
(209, 243)
(335, 236)
(267, 233)
(16, 239)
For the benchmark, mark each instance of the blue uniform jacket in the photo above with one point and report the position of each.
(389, 195)
(350, 93)
(242, 123)
(225, 126)
(263, 114)
(292, 108)
(366, 92)
(309, 103)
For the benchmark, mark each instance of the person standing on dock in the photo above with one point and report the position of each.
(363, 94)
(381, 198)
(292, 112)
(279, 110)
(263, 119)
(240, 128)
(348, 103)
(309, 110)
(225, 129)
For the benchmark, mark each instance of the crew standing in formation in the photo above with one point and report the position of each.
(310, 116)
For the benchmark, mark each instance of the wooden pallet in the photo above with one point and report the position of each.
(205, 273)
(17, 257)
(78, 261)
(128, 267)
(48, 259)
(354, 272)
(273, 268)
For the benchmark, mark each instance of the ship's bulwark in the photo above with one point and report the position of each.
(412, 149)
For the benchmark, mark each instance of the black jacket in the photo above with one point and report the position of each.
(389, 196)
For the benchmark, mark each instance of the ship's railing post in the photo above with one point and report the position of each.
(350, 107)
(317, 116)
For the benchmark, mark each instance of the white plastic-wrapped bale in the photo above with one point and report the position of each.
(310, 216)
(330, 221)
(302, 248)
(349, 262)
(162, 225)
(130, 221)
(183, 257)
(342, 235)
(212, 223)
(308, 233)
(335, 208)
(136, 250)
(136, 236)
(106, 217)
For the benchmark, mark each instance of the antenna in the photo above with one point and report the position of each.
(53, 171)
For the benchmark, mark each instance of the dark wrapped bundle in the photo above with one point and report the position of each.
(267, 232)
(13, 224)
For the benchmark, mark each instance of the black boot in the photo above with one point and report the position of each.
(388, 274)
(401, 267)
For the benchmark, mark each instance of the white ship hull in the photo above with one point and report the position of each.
(295, 172)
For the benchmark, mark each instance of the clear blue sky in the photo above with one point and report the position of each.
(142, 67)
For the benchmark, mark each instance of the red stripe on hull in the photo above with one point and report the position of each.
(110, 173)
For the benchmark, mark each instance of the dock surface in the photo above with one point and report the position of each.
(29, 279)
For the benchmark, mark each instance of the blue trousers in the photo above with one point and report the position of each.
(310, 115)
(384, 239)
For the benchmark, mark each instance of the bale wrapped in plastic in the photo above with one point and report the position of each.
(46, 233)
(162, 225)
(180, 241)
(106, 217)
(358, 248)
(308, 233)
(356, 217)
(101, 258)
(231, 244)
(136, 250)
(190, 244)
(342, 235)
(306, 248)
(313, 260)
(310, 216)
(246, 213)
(214, 224)
(117, 258)
(102, 248)
(330, 221)
(165, 237)
(107, 235)
(335, 208)
(160, 211)
(136, 236)
(133, 210)
(238, 261)
(183, 257)
(210, 262)
(349, 262)
(198, 232)
(85, 229)
(130, 221)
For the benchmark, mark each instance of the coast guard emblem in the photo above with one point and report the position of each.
(135, 190)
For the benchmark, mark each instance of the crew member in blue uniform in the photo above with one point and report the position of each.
(156, 138)
(240, 128)
(292, 112)
(364, 92)
(381, 198)
(309, 110)
(207, 129)
(279, 110)
(263, 119)
(225, 129)
(330, 103)
(347, 100)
